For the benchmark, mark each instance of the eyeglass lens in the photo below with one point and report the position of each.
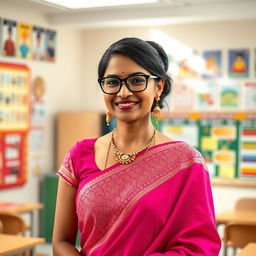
(135, 84)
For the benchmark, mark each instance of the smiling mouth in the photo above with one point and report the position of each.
(126, 105)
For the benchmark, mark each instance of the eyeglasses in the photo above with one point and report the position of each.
(134, 83)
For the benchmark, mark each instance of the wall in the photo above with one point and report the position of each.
(72, 80)
(215, 35)
(63, 86)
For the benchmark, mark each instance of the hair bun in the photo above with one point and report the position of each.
(161, 53)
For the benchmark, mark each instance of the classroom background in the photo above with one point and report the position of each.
(50, 98)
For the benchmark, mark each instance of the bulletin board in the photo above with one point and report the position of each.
(14, 123)
(227, 141)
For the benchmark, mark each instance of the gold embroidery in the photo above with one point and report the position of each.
(58, 173)
(67, 170)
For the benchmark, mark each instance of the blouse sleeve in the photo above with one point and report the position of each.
(195, 232)
(67, 170)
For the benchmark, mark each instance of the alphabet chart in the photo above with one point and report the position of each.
(14, 123)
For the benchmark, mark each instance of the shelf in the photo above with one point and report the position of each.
(233, 182)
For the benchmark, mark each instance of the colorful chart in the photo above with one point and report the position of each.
(248, 148)
(14, 97)
(227, 141)
(218, 145)
(13, 159)
(14, 123)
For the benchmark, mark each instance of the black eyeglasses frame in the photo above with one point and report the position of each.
(125, 80)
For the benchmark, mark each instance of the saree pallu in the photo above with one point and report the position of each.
(160, 204)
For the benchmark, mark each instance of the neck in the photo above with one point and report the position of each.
(131, 136)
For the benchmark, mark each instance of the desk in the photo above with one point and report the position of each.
(248, 250)
(11, 245)
(20, 208)
(236, 215)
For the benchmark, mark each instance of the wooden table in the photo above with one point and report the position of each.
(11, 245)
(236, 215)
(20, 208)
(248, 250)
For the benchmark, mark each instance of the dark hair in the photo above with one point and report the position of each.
(38, 35)
(240, 54)
(147, 54)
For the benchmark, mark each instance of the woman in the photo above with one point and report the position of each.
(134, 191)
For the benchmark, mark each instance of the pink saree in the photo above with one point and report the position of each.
(161, 204)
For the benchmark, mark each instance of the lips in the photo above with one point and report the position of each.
(126, 104)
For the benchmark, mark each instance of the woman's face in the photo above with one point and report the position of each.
(126, 105)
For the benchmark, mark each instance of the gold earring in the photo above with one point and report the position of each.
(157, 111)
(108, 118)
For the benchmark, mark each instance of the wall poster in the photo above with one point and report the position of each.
(38, 43)
(230, 95)
(183, 95)
(9, 32)
(50, 45)
(14, 123)
(212, 67)
(238, 63)
(24, 40)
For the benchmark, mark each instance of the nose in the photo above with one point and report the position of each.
(124, 92)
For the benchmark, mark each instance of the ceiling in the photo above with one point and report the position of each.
(163, 12)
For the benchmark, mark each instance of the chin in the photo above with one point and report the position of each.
(130, 118)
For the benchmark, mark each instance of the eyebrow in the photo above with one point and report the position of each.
(132, 74)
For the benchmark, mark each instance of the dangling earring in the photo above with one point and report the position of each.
(157, 111)
(108, 118)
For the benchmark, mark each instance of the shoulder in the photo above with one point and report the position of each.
(89, 146)
(184, 153)
(85, 142)
(183, 156)
(180, 145)
(161, 138)
(80, 155)
(81, 148)
(103, 141)
(81, 144)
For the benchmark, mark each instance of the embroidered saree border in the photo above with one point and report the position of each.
(65, 174)
(118, 168)
(66, 171)
(153, 176)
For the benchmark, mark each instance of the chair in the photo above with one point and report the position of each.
(13, 224)
(246, 203)
(238, 235)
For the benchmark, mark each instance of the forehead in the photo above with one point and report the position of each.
(123, 65)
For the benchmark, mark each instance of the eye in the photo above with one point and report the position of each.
(111, 82)
(137, 80)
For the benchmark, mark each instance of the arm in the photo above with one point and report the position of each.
(65, 224)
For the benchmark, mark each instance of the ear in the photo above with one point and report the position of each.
(159, 87)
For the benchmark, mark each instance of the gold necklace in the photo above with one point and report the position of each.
(124, 158)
